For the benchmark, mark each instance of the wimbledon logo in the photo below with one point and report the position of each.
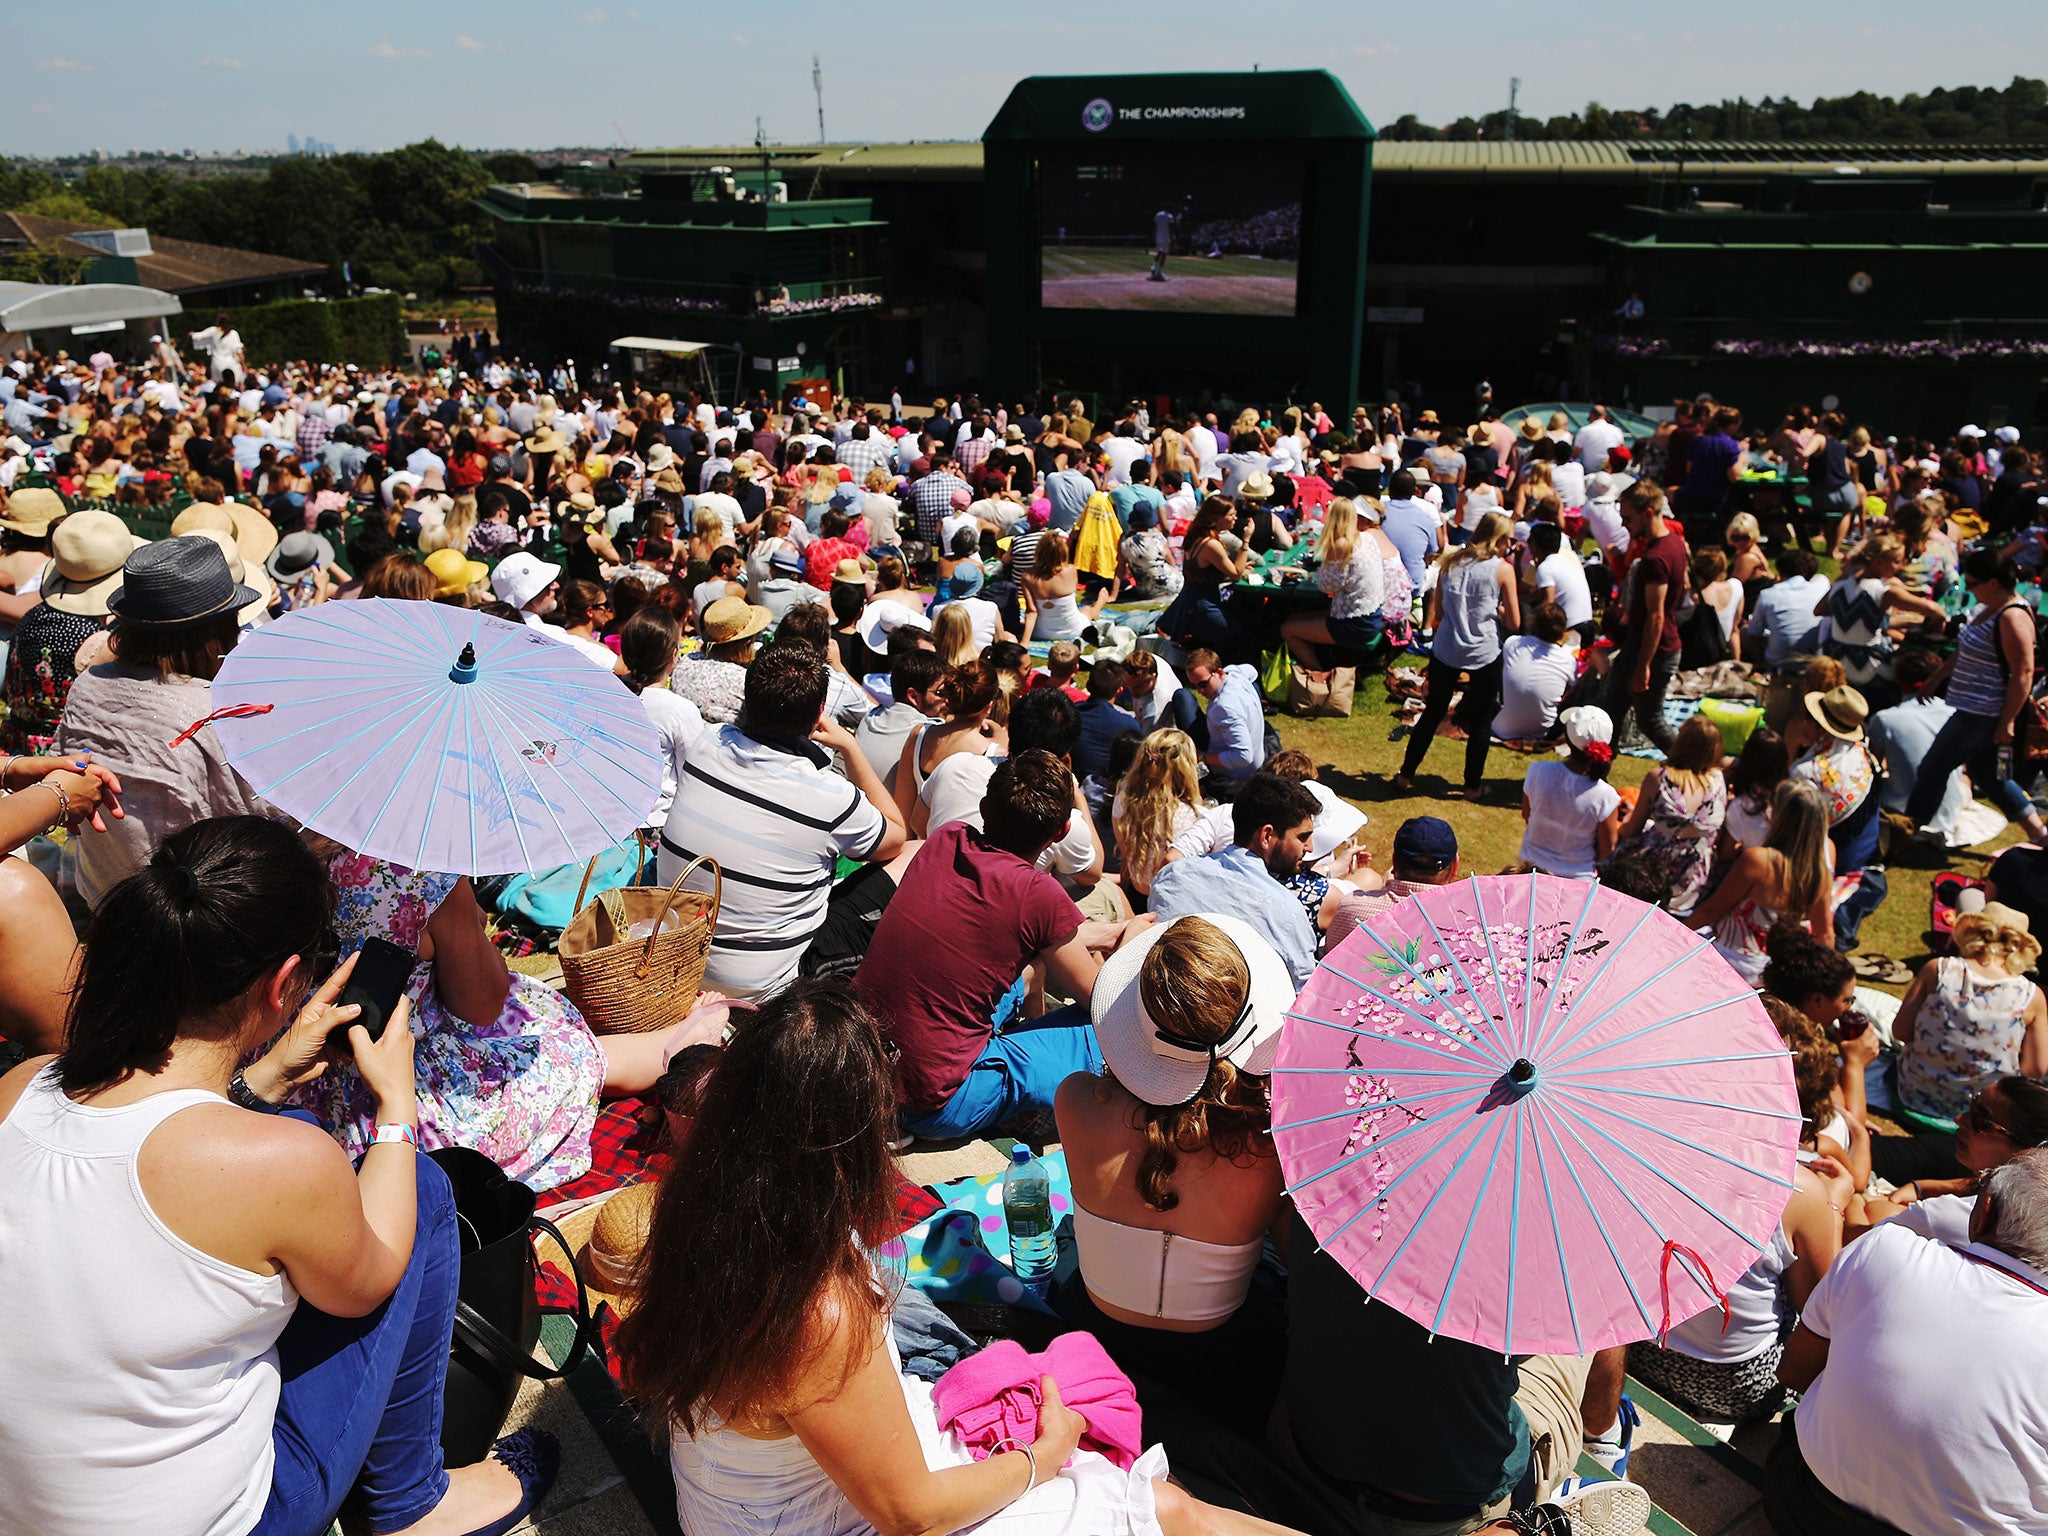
(1097, 115)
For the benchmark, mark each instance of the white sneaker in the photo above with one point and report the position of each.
(1605, 1509)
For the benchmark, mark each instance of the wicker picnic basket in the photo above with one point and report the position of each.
(627, 986)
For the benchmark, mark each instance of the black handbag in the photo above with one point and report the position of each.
(497, 1312)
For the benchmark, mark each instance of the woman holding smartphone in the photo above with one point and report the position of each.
(234, 1327)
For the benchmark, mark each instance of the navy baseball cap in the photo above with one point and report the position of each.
(1426, 840)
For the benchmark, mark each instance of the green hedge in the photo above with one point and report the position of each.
(368, 331)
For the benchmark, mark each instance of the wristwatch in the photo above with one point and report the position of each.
(239, 1092)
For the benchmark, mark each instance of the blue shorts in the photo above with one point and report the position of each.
(1021, 1068)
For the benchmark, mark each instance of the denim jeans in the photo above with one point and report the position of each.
(361, 1397)
(1021, 1068)
(1964, 741)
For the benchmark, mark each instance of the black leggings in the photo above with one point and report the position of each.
(1475, 714)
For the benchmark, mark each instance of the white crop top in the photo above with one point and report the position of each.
(1161, 1274)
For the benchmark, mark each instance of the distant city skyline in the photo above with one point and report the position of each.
(524, 75)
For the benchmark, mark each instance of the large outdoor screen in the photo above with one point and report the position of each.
(1204, 234)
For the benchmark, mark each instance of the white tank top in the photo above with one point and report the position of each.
(1161, 1274)
(144, 1383)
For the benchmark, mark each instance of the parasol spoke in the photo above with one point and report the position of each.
(1528, 974)
(404, 775)
(1637, 991)
(1506, 1121)
(1682, 1098)
(1670, 1136)
(1478, 1045)
(1628, 1195)
(1507, 1012)
(425, 705)
(1551, 1123)
(391, 697)
(1488, 1074)
(1418, 978)
(1352, 1111)
(494, 719)
(1395, 1183)
(1648, 1029)
(1464, 976)
(1377, 1146)
(1655, 1066)
(1514, 1224)
(1443, 1188)
(1564, 1268)
(1564, 965)
(1407, 1040)
(525, 729)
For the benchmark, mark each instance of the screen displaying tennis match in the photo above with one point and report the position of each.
(1200, 236)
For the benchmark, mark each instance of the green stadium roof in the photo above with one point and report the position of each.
(1721, 159)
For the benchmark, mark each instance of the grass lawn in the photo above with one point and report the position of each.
(1356, 758)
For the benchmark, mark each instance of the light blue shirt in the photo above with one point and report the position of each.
(1237, 725)
(1417, 532)
(1900, 736)
(1236, 881)
(1068, 490)
(1784, 617)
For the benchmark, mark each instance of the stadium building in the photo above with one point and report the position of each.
(1071, 249)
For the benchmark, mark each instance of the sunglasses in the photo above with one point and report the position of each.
(1980, 1122)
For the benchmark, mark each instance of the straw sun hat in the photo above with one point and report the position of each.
(1161, 1067)
(734, 618)
(88, 550)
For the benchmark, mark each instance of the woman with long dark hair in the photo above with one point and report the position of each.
(760, 1334)
(252, 1327)
(648, 647)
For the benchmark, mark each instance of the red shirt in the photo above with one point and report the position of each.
(955, 936)
(821, 559)
(1663, 560)
(1041, 678)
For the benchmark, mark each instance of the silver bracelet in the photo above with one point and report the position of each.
(1032, 1457)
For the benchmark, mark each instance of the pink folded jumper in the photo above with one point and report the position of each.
(991, 1399)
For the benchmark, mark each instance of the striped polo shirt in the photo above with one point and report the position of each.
(776, 818)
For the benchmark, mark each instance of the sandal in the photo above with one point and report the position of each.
(1882, 969)
(534, 1457)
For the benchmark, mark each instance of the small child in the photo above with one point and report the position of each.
(1062, 661)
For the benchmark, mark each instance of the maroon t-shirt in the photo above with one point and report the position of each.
(954, 937)
(1661, 559)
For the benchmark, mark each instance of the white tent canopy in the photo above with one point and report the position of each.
(657, 344)
(82, 308)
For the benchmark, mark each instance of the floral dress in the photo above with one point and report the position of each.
(1397, 607)
(1681, 842)
(1967, 1036)
(40, 668)
(522, 1090)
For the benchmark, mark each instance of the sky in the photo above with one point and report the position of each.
(126, 74)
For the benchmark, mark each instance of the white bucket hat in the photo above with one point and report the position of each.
(1165, 1069)
(520, 578)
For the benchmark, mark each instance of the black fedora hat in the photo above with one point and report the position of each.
(175, 582)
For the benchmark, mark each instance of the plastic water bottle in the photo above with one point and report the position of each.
(1027, 1211)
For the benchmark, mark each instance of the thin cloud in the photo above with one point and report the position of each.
(74, 66)
(596, 18)
(741, 38)
(388, 51)
(215, 61)
(467, 43)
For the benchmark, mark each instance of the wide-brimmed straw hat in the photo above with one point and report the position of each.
(1530, 429)
(545, 440)
(734, 618)
(659, 457)
(175, 582)
(1256, 486)
(88, 550)
(1840, 712)
(255, 535)
(851, 572)
(32, 509)
(1162, 1067)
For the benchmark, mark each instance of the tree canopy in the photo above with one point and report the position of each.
(403, 219)
(2018, 114)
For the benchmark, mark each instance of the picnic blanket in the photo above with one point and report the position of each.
(962, 1252)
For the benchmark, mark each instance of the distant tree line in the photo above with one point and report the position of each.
(2018, 114)
(403, 220)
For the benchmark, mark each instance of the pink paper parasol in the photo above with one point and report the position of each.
(1535, 1114)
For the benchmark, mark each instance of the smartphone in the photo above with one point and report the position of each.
(375, 986)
